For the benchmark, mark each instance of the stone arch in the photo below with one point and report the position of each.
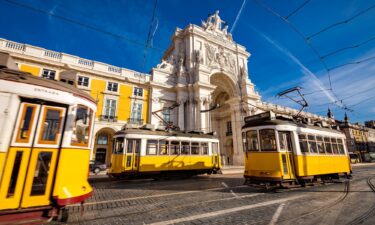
(225, 83)
(103, 145)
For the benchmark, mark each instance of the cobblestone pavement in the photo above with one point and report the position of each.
(223, 199)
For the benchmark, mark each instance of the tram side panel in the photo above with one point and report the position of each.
(263, 166)
(9, 104)
(71, 184)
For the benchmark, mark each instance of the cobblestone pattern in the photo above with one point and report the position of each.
(147, 202)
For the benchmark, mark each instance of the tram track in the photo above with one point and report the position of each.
(180, 206)
(370, 212)
(339, 200)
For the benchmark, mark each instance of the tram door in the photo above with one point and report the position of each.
(286, 147)
(133, 149)
(31, 159)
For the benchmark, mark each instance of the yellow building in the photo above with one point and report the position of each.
(122, 95)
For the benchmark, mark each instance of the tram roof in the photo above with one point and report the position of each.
(274, 122)
(27, 78)
(165, 133)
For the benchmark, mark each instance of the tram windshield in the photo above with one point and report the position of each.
(251, 140)
(267, 140)
(82, 126)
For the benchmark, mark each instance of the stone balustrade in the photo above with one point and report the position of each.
(29, 50)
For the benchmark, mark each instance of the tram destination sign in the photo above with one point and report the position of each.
(261, 116)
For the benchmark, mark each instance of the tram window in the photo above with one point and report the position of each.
(267, 140)
(312, 144)
(14, 175)
(130, 146)
(215, 148)
(185, 148)
(327, 143)
(320, 144)
(175, 148)
(51, 126)
(152, 145)
(334, 146)
(118, 147)
(340, 146)
(284, 141)
(163, 147)
(251, 141)
(204, 148)
(41, 173)
(195, 148)
(26, 123)
(303, 143)
(82, 126)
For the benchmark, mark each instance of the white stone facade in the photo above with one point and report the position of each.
(204, 67)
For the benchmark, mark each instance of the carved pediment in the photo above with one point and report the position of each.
(217, 57)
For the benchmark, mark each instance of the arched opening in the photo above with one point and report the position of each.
(222, 118)
(103, 145)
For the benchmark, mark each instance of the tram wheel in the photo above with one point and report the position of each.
(63, 215)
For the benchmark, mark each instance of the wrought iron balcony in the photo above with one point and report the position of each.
(108, 118)
(135, 121)
(228, 133)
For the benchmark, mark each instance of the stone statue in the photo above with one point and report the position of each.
(180, 65)
(225, 30)
(217, 20)
(213, 22)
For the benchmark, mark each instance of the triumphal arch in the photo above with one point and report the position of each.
(202, 85)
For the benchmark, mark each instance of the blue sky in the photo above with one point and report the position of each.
(280, 58)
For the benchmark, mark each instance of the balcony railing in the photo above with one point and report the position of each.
(229, 133)
(108, 118)
(135, 121)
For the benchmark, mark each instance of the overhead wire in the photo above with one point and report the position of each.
(347, 97)
(352, 63)
(315, 51)
(348, 47)
(297, 9)
(91, 27)
(341, 22)
(149, 34)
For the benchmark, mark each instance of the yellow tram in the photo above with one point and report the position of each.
(280, 150)
(142, 152)
(45, 141)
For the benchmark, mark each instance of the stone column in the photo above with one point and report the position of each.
(238, 156)
(181, 114)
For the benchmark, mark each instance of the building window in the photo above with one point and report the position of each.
(102, 139)
(49, 74)
(229, 128)
(136, 111)
(110, 108)
(167, 115)
(83, 81)
(138, 91)
(112, 86)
